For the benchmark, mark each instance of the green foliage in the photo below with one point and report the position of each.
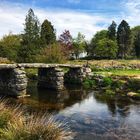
(32, 28)
(93, 44)
(30, 39)
(134, 84)
(47, 33)
(118, 84)
(112, 31)
(9, 45)
(106, 49)
(107, 81)
(52, 54)
(88, 83)
(79, 45)
(32, 73)
(27, 53)
(137, 44)
(124, 40)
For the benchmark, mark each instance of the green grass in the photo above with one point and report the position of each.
(119, 72)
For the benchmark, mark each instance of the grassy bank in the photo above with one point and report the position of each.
(15, 125)
(104, 63)
(131, 73)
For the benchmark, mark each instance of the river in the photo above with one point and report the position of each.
(90, 115)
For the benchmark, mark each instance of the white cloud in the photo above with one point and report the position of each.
(132, 12)
(12, 18)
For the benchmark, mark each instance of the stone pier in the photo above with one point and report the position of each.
(51, 78)
(13, 82)
(76, 75)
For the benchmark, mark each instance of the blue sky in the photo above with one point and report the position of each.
(86, 16)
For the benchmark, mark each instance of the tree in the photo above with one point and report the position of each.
(79, 45)
(124, 39)
(66, 39)
(93, 44)
(48, 35)
(112, 31)
(30, 38)
(106, 48)
(137, 44)
(9, 46)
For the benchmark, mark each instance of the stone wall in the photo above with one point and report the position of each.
(13, 82)
(51, 78)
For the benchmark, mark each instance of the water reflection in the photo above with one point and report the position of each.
(51, 100)
(116, 105)
(87, 112)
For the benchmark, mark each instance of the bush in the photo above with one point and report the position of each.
(107, 81)
(52, 54)
(89, 83)
(118, 84)
(134, 84)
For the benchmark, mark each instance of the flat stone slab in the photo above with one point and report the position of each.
(8, 66)
(37, 65)
(42, 65)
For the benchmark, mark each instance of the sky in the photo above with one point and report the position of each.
(85, 16)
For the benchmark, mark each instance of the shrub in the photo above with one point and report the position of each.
(118, 84)
(89, 83)
(134, 84)
(52, 54)
(107, 81)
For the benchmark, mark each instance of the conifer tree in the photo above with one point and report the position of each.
(124, 39)
(112, 31)
(30, 38)
(137, 44)
(48, 35)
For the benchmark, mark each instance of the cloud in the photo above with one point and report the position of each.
(13, 16)
(132, 12)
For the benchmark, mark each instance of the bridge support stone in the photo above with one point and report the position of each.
(77, 75)
(51, 78)
(13, 82)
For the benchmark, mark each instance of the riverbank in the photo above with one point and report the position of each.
(114, 84)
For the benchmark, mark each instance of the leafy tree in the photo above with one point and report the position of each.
(137, 44)
(124, 39)
(66, 39)
(30, 38)
(106, 48)
(9, 46)
(98, 36)
(112, 31)
(79, 45)
(48, 35)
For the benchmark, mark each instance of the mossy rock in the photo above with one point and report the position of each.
(133, 95)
